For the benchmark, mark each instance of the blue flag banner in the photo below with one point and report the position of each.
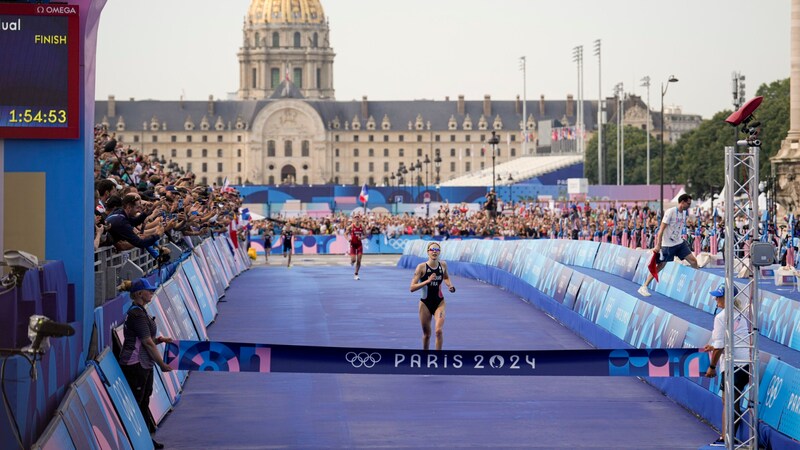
(209, 356)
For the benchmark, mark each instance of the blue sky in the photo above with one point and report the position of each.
(414, 49)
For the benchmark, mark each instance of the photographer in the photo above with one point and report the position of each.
(491, 204)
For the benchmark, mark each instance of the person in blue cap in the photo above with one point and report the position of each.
(139, 352)
(716, 346)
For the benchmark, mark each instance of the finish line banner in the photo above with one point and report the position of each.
(208, 356)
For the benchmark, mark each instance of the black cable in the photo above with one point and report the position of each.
(11, 417)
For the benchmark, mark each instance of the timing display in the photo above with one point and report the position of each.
(39, 71)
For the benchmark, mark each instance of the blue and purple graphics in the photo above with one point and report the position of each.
(243, 357)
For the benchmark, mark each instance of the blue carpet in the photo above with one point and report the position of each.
(325, 306)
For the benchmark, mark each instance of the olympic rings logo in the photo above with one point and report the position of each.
(363, 359)
(773, 390)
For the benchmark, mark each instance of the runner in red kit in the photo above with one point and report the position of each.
(355, 233)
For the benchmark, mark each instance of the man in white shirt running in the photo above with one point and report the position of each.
(669, 242)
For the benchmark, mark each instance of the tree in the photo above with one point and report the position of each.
(698, 156)
(635, 156)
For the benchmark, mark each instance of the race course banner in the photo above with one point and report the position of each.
(241, 357)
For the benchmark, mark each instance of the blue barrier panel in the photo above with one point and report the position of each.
(590, 298)
(121, 396)
(175, 312)
(179, 292)
(77, 422)
(100, 411)
(617, 311)
(207, 305)
(55, 437)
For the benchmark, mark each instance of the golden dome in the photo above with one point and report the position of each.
(286, 11)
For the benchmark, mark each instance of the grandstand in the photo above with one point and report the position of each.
(519, 169)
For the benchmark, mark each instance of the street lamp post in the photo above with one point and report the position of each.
(646, 83)
(493, 141)
(427, 170)
(511, 192)
(664, 87)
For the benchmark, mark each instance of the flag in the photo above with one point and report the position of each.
(286, 76)
(652, 266)
(364, 195)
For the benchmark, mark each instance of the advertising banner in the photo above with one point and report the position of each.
(265, 358)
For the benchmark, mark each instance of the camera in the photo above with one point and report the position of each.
(19, 262)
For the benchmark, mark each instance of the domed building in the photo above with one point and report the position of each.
(286, 39)
(285, 127)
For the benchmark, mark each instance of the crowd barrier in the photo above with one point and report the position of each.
(334, 244)
(545, 272)
(66, 408)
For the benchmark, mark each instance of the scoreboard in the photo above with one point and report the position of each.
(39, 71)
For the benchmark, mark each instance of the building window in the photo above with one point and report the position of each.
(189, 166)
(336, 138)
(219, 181)
(452, 166)
(219, 138)
(219, 167)
(271, 148)
(188, 138)
(205, 167)
(287, 148)
(452, 152)
(271, 179)
(297, 39)
(419, 152)
(355, 138)
(319, 78)
(355, 152)
(188, 153)
(174, 153)
(275, 77)
(276, 42)
(401, 153)
(239, 152)
(337, 166)
(371, 152)
(419, 138)
(205, 153)
(513, 152)
(173, 138)
(467, 167)
(336, 151)
(238, 167)
(219, 153)
(401, 138)
(386, 153)
(355, 167)
(371, 138)
(135, 138)
(298, 77)
(468, 152)
(253, 78)
(371, 167)
(385, 166)
(305, 149)
(155, 138)
(204, 138)
(204, 180)
(355, 180)
(238, 138)
(467, 138)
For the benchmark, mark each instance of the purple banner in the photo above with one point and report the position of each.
(241, 357)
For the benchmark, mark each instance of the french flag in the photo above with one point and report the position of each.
(364, 195)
